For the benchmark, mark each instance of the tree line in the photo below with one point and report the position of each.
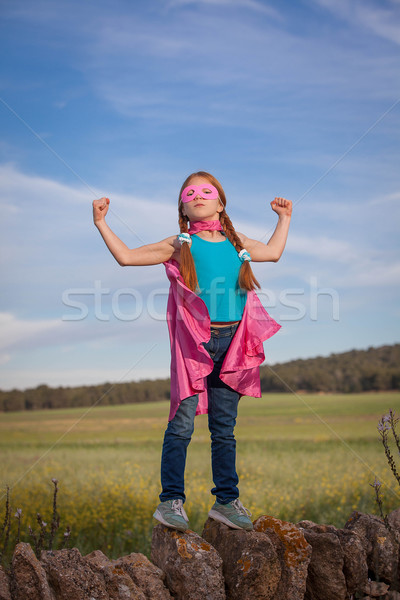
(375, 369)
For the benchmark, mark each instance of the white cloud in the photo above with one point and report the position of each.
(41, 198)
(323, 248)
(4, 358)
(19, 332)
(48, 235)
(381, 18)
(251, 5)
(318, 247)
(340, 262)
(375, 273)
(148, 67)
(388, 202)
(24, 192)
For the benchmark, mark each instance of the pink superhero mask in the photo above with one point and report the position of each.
(205, 191)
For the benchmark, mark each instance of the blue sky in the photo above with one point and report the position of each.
(125, 99)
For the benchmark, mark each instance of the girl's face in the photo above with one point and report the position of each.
(201, 207)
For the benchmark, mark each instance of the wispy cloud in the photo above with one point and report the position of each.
(55, 210)
(381, 18)
(388, 201)
(19, 331)
(238, 71)
(251, 5)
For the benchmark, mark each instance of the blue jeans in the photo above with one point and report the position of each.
(222, 413)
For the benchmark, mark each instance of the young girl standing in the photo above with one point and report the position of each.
(217, 326)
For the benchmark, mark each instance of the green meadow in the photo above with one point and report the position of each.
(298, 457)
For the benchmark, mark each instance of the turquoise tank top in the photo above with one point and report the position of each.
(217, 267)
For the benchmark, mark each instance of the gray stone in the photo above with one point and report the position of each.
(355, 566)
(325, 579)
(71, 576)
(380, 545)
(146, 576)
(28, 576)
(192, 566)
(294, 553)
(251, 566)
(375, 589)
(118, 584)
(5, 593)
(355, 569)
(394, 522)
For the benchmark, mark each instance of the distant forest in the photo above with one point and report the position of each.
(375, 369)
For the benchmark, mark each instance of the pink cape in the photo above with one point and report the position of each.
(189, 327)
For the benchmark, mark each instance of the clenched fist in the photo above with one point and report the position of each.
(282, 206)
(100, 209)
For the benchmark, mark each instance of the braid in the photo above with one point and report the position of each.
(229, 231)
(183, 222)
(187, 267)
(247, 280)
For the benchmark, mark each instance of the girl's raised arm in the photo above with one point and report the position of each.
(272, 250)
(150, 254)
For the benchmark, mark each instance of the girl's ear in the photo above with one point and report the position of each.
(220, 206)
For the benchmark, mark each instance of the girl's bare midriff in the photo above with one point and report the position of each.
(224, 323)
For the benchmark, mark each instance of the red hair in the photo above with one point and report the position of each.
(247, 280)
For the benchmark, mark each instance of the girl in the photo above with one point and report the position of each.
(217, 326)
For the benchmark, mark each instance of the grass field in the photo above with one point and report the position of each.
(299, 457)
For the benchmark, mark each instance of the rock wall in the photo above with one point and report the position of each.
(276, 561)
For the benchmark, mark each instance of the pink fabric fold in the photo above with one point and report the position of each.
(196, 226)
(189, 327)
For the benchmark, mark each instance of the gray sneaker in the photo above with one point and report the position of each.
(172, 514)
(233, 514)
